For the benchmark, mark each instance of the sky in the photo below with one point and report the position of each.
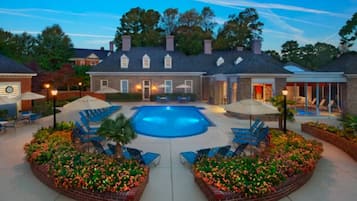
(92, 24)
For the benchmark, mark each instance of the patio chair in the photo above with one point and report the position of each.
(191, 157)
(162, 99)
(85, 137)
(248, 131)
(238, 151)
(255, 140)
(100, 149)
(148, 158)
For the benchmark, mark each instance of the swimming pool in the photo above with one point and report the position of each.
(170, 121)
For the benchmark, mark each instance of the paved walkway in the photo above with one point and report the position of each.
(335, 178)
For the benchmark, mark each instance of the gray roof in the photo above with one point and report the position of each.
(251, 63)
(84, 53)
(346, 63)
(8, 65)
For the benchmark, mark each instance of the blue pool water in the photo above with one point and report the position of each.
(170, 121)
(302, 112)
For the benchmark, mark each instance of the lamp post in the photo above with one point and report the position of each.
(80, 89)
(47, 87)
(54, 94)
(285, 93)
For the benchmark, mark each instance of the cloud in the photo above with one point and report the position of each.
(271, 6)
(18, 12)
(220, 20)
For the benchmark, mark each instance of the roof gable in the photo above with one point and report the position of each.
(346, 63)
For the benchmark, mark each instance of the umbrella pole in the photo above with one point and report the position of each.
(250, 120)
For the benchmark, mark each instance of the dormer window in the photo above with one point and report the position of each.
(238, 60)
(124, 61)
(146, 61)
(168, 61)
(219, 61)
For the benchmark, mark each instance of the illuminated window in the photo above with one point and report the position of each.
(124, 61)
(146, 61)
(168, 61)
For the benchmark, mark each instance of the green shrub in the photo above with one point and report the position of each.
(123, 97)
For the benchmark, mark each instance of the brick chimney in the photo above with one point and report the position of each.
(207, 46)
(240, 48)
(257, 46)
(111, 46)
(126, 43)
(170, 46)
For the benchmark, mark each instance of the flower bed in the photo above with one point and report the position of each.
(286, 165)
(333, 136)
(83, 176)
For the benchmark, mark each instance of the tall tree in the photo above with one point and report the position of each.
(239, 30)
(17, 46)
(54, 48)
(207, 20)
(348, 32)
(273, 54)
(169, 20)
(142, 26)
(290, 51)
(190, 18)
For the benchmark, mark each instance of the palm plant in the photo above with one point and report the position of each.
(349, 123)
(119, 130)
(278, 102)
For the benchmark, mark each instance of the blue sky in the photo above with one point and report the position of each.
(92, 24)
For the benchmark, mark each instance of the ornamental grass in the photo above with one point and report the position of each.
(288, 155)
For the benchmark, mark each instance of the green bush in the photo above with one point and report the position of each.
(124, 97)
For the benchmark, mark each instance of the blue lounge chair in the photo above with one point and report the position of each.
(85, 136)
(238, 151)
(148, 158)
(191, 157)
(100, 149)
(244, 131)
(255, 140)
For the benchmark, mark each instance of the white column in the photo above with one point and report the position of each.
(329, 98)
(317, 99)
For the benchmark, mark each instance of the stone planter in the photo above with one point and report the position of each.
(342, 143)
(290, 185)
(41, 172)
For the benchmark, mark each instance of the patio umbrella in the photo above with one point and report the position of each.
(107, 90)
(31, 96)
(251, 107)
(183, 86)
(86, 103)
(162, 86)
(5, 100)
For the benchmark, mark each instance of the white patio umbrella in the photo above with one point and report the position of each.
(183, 86)
(31, 96)
(162, 86)
(107, 90)
(5, 100)
(86, 103)
(251, 107)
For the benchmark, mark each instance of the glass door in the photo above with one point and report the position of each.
(146, 89)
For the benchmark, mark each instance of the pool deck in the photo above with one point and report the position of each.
(335, 177)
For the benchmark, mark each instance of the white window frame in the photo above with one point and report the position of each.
(146, 61)
(102, 85)
(124, 61)
(122, 84)
(168, 87)
(189, 90)
(168, 61)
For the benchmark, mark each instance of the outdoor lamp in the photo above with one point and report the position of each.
(47, 87)
(54, 94)
(285, 93)
(80, 89)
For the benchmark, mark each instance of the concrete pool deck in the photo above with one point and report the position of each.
(335, 177)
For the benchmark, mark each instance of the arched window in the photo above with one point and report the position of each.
(146, 61)
(124, 61)
(168, 61)
(219, 61)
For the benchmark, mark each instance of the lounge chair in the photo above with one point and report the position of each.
(85, 136)
(191, 157)
(255, 140)
(100, 149)
(148, 158)
(238, 151)
(244, 131)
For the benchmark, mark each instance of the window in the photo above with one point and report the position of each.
(124, 86)
(124, 61)
(146, 61)
(168, 61)
(168, 86)
(103, 84)
(219, 61)
(189, 83)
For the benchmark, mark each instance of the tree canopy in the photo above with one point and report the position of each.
(348, 32)
(54, 48)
